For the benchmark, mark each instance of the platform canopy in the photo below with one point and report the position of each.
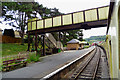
(86, 19)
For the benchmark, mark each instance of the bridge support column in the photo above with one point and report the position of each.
(36, 43)
(28, 42)
(43, 45)
(64, 39)
(59, 39)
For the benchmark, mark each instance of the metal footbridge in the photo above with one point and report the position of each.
(86, 19)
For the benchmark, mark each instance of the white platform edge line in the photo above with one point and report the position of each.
(56, 71)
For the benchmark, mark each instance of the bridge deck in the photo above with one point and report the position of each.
(91, 18)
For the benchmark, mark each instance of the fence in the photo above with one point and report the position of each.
(10, 57)
(8, 39)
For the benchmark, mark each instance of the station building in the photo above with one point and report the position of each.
(75, 44)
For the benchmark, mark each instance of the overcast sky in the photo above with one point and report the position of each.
(69, 6)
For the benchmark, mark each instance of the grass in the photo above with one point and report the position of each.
(12, 48)
(33, 58)
(86, 46)
(0, 64)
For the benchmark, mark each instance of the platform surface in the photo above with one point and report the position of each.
(105, 69)
(47, 65)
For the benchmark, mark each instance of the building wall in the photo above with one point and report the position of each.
(82, 46)
(0, 33)
(72, 46)
(8, 39)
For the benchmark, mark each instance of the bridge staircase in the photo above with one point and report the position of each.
(51, 43)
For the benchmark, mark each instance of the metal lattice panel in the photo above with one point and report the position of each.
(91, 15)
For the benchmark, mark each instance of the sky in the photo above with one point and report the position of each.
(69, 6)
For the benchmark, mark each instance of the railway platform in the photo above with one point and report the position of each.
(92, 66)
(46, 66)
(104, 66)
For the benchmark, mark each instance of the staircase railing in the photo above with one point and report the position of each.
(56, 44)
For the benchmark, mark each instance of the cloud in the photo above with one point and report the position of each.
(94, 32)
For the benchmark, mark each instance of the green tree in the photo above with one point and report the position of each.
(72, 34)
(17, 13)
(75, 34)
(55, 12)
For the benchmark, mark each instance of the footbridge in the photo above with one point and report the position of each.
(86, 19)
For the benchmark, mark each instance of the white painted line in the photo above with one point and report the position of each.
(53, 73)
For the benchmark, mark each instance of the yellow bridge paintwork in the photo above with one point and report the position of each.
(95, 14)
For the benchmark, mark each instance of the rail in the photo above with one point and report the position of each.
(62, 71)
(89, 69)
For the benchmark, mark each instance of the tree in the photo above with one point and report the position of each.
(17, 13)
(72, 34)
(75, 34)
(55, 12)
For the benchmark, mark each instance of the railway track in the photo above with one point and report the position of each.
(86, 67)
(89, 68)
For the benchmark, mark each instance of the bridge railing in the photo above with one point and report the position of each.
(56, 44)
(94, 14)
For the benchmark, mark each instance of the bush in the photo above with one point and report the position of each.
(39, 52)
(86, 46)
(26, 39)
(33, 58)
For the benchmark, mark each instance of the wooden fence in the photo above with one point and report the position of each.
(10, 57)
(8, 39)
